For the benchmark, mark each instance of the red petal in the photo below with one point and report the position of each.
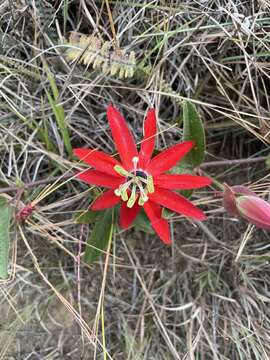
(148, 143)
(123, 139)
(169, 158)
(95, 177)
(161, 226)
(128, 215)
(106, 200)
(177, 203)
(97, 159)
(181, 182)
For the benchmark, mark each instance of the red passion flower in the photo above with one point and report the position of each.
(137, 180)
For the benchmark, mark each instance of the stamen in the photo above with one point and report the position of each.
(142, 191)
(150, 184)
(121, 171)
(133, 197)
(142, 200)
(142, 179)
(122, 190)
(124, 195)
(126, 185)
(138, 184)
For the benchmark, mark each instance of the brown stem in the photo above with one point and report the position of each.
(232, 162)
(35, 183)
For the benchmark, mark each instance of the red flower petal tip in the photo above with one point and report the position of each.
(122, 136)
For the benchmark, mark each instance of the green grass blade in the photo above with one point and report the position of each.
(58, 111)
(5, 218)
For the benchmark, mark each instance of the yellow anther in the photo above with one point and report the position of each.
(150, 184)
(121, 171)
(124, 195)
(140, 201)
(133, 197)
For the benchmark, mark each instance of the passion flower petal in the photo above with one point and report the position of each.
(95, 177)
(177, 203)
(98, 159)
(122, 136)
(168, 158)
(161, 226)
(106, 200)
(128, 215)
(181, 182)
(255, 210)
(148, 143)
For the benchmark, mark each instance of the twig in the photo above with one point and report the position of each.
(35, 183)
(233, 162)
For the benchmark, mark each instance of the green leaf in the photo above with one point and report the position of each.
(100, 237)
(5, 218)
(142, 223)
(87, 216)
(193, 130)
(59, 114)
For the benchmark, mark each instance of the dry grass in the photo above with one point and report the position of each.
(207, 296)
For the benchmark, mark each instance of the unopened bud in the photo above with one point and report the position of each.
(255, 210)
(229, 197)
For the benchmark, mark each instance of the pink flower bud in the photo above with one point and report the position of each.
(229, 197)
(255, 210)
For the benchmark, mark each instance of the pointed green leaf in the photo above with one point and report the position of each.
(193, 130)
(100, 236)
(5, 218)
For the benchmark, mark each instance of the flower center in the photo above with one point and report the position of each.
(140, 173)
(137, 185)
